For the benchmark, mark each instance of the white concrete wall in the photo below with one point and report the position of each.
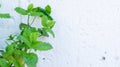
(87, 32)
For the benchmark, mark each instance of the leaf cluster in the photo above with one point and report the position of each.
(20, 49)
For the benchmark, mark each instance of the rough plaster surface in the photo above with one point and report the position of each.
(87, 32)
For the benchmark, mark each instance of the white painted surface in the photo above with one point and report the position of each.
(86, 31)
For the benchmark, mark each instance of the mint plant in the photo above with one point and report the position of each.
(20, 49)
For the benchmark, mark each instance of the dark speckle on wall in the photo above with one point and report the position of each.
(103, 58)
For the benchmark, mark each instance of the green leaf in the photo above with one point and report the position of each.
(51, 23)
(3, 63)
(33, 29)
(10, 48)
(34, 36)
(17, 52)
(16, 64)
(31, 59)
(43, 32)
(21, 11)
(20, 46)
(6, 54)
(44, 21)
(48, 9)
(50, 31)
(36, 14)
(42, 46)
(25, 40)
(26, 33)
(11, 37)
(18, 59)
(23, 26)
(35, 9)
(5, 16)
(11, 60)
(30, 7)
(45, 13)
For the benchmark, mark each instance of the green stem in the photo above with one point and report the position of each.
(28, 20)
(33, 20)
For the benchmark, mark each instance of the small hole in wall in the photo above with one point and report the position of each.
(103, 58)
(43, 58)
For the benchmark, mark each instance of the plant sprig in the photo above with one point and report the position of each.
(19, 52)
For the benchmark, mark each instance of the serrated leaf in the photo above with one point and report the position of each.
(34, 36)
(51, 23)
(30, 7)
(21, 11)
(45, 13)
(7, 54)
(50, 31)
(3, 63)
(18, 59)
(33, 29)
(5, 16)
(31, 59)
(43, 32)
(26, 33)
(42, 46)
(36, 14)
(25, 40)
(48, 9)
(9, 48)
(20, 46)
(35, 9)
(17, 52)
(23, 26)
(44, 21)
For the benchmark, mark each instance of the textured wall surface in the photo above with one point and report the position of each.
(87, 32)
